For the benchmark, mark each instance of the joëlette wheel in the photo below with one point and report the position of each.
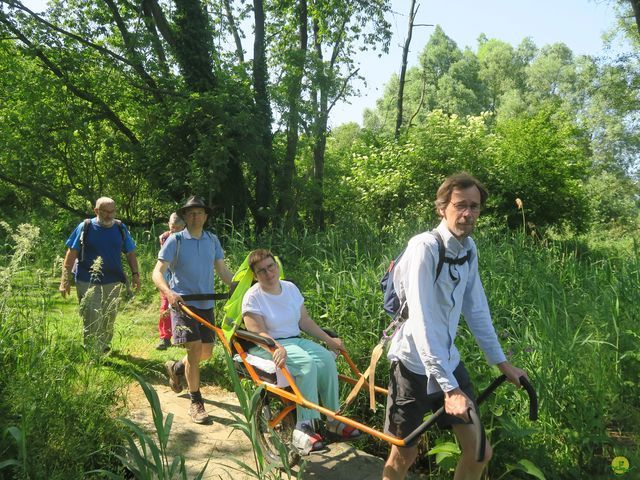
(276, 442)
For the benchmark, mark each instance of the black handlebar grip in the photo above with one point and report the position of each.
(205, 296)
(332, 333)
(481, 439)
(533, 398)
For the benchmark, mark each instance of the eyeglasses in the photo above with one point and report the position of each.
(461, 207)
(108, 212)
(269, 268)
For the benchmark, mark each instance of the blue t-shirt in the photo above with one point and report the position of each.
(193, 270)
(104, 242)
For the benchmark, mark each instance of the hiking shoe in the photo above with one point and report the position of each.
(197, 412)
(342, 431)
(174, 378)
(164, 344)
(305, 440)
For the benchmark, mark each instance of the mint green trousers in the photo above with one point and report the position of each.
(314, 370)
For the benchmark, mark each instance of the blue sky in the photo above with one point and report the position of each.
(577, 23)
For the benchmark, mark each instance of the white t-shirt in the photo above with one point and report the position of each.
(281, 312)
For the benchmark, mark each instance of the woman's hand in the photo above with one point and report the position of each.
(279, 356)
(335, 345)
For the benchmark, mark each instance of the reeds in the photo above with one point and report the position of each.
(566, 310)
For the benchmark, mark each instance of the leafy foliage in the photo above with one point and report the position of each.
(543, 160)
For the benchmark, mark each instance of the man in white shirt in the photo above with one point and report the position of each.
(426, 371)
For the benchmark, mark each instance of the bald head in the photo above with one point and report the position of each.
(105, 211)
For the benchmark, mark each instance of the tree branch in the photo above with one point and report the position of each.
(161, 21)
(78, 38)
(41, 192)
(345, 84)
(234, 30)
(128, 42)
(84, 95)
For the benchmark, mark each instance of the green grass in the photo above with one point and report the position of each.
(566, 311)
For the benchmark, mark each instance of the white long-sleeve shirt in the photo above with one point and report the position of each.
(425, 343)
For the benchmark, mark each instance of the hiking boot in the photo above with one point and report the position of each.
(174, 379)
(197, 412)
(164, 344)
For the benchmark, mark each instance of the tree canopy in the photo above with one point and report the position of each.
(152, 102)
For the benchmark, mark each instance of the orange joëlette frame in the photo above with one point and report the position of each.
(294, 395)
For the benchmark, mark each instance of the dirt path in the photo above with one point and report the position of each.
(218, 442)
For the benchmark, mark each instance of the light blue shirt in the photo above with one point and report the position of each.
(425, 343)
(192, 269)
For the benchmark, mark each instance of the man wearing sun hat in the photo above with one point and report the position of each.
(192, 256)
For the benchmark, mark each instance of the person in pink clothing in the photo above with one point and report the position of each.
(164, 323)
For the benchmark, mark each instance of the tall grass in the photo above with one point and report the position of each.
(57, 409)
(565, 311)
(567, 315)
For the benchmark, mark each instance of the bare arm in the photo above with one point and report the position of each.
(132, 260)
(160, 282)
(223, 271)
(308, 325)
(255, 323)
(67, 264)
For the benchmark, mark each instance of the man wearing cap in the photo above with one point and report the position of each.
(192, 256)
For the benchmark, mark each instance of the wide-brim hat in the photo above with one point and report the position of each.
(194, 202)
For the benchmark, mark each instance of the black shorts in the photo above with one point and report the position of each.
(186, 329)
(408, 401)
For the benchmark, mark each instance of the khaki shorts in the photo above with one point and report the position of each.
(408, 401)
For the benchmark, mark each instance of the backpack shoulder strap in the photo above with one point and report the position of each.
(178, 236)
(441, 252)
(121, 229)
(83, 236)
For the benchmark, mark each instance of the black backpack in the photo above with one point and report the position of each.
(391, 302)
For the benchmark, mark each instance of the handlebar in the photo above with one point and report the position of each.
(533, 398)
(475, 420)
(205, 296)
(478, 431)
(255, 338)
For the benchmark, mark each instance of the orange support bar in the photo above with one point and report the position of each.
(295, 396)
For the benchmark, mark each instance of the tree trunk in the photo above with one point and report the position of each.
(635, 5)
(286, 204)
(234, 30)
(195, 52)
(319, 134)
(263, 161)
(403, 69)
(194, 48)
